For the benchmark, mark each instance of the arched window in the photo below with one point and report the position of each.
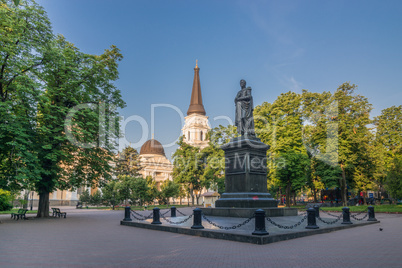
(188, 136)
(201, 136)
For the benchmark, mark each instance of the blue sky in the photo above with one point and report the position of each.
(276, 46)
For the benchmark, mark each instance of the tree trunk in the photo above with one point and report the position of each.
(288, 195)
(294, 198)
(343, 187)
(43, 208)
(315, 195)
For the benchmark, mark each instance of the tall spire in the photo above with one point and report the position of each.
(196, 106)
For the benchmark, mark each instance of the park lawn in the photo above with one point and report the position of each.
(15, 210)
(136, 207)
(377, 208)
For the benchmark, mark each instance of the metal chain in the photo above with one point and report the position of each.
(180, 222)
(331, 222)
(135, 217)
(138, 214)
(287, 227)
(166, 212)
(333, 215)
(226, 227)
(358, 213)
(354, 217)
(180, 212)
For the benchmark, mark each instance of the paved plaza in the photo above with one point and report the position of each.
(94, 238)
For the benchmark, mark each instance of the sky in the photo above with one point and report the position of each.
(276, 46)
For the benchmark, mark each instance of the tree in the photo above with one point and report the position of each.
(169, 189)
(128, 163)
(85, 197)
(96, 198)
(188, 167)
(339, 138)
(24, 44)
(388, 148)
(48, 140)
(353, 135)
(393, 181)
(291, 173)
(320, 140)
(280, 125)
(111, 193)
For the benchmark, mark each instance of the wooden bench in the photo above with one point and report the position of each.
(58, 213)
(21, 213)
(14, 215)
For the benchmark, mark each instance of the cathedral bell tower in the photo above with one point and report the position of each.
(196, 124)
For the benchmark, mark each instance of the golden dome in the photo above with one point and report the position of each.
(152, 146)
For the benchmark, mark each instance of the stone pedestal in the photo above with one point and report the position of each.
(246, 175)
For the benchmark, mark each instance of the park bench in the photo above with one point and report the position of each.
(58, 213)
(13, 215)
(21, 213)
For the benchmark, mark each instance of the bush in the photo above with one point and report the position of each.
(6, 199)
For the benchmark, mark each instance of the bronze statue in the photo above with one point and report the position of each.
(244, 120)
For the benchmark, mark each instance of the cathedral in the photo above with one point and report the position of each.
(152, 156)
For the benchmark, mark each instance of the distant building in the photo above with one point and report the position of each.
(154, 163)
(196, 124)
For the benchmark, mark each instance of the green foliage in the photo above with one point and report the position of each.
(6, 199)
(393, 181)
(188, 167)
(96, 198)
(280, 125)
(44, 140)
(111, 193)
(136, 189)
(85, 197)
(388, 148)
(128, 163)
(169, 189)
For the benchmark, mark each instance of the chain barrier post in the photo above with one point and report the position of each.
(311, 222)
(127, 215)
(317, 211)
(197, 223)
(259, 215)
(156, 216)
(371, 215)
(346, 216)
(173, 212)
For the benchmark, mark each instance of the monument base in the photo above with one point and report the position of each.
(248, 212)
(246, 200)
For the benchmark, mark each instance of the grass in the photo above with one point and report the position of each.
(15, 210)
(136, 207)
(377, 208)
(386, 208)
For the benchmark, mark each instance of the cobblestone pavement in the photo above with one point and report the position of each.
(93, 238)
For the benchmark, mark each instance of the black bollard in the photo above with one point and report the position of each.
(346, 216)
(156, 216)
(197, 223)
(311, 222)
(259, 215)
(317, 211)
(371, 215)
(173, 212)
(127, 215)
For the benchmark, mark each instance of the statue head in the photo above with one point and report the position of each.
(242, 83)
